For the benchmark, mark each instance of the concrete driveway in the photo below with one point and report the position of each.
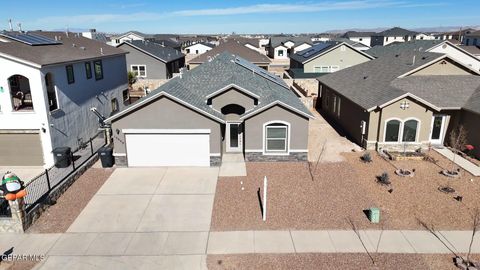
(157, 218)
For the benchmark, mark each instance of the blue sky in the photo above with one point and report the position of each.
(247, 16)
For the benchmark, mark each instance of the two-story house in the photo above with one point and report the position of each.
(392, 35)
(49, 81)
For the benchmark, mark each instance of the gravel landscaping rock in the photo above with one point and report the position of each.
(330, 261)
(57, 218)
(339, 193)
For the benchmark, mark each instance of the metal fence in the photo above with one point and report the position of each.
(40, 186)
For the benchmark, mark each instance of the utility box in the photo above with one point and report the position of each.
(374, 215)
(106, 156)
(62, 157)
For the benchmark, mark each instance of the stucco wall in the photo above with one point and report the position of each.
(416, 110)
(156, 69)
(443, 67)
(350, 117)
(164, 113)
(74, 120)
(254, 128)
(336, 57)
(454, 52)
(232, 96)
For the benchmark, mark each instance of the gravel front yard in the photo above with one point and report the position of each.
(330, 261)
(338, 194)
(57, 218)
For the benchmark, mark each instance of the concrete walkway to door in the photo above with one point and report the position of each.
(233, 164)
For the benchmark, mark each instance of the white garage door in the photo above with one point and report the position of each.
(183, 147)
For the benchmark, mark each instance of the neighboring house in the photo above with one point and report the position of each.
(227, 105)
(321, 37)
(399, 101)
(356, 44)
(233, 47)
(280, 47)
(151, 60)
(169, 43)
(193, 39)
(392, 35)
(436, 46)
(198, 48)
(455, 35)
(325, 57)
(425, 36)
(362, 37)
(47, 89)
(472, 39)
(129, 36)
(93, 34)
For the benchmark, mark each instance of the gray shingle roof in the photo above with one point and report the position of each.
(396, 32)
(280, 40)
(350, 34)
(164, 53)
(65, 52)
(233, 47)
(195, 85)
(376, 82)
(403, 47)
(473, 104)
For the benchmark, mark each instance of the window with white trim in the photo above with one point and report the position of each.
(326, 69)
(280, 52)
(139, 70)
(410, 131)
(392, 131)
(276, 138)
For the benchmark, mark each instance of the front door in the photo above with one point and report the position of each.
(234, 137)
(438, 126)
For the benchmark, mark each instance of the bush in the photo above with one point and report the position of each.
(367, 157)
(384, 179)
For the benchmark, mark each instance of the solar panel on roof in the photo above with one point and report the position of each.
(30, 39)
(267, 75)
(315, 49)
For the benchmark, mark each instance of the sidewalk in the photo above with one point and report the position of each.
(233, 164)
(460, 161)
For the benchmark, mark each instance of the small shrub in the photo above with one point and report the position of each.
(384, 179)
(367, 157)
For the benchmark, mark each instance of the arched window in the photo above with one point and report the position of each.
(410, 131)
(392, 131)
(20, 93)
(276, 138)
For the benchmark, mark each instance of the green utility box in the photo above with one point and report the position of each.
(374, 215)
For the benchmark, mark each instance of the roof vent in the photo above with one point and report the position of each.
(82, 48)
(73, 45)
(365, 77)
(397, 55)
(101, 51)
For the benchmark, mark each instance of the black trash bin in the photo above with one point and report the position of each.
(62, 157)
(106, 156)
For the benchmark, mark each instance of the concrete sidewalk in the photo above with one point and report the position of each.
(460, 161)
(233, 164)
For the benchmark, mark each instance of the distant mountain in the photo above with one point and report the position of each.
(418, 29)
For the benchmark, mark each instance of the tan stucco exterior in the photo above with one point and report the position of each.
(443, 67)
(253, 131)
(233, 96)
(336, 57)
(165, 113)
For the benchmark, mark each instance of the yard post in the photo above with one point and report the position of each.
(265, 198)
(73, 161)
(48, 180)
(91, 146)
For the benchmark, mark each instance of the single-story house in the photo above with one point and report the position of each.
(234, 47)
(436, 46)
(226, 105)
(410, 100)
(325, 57)
(198, 48)
(281, 47)
(151, 60)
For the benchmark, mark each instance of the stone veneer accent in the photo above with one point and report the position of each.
(260, 157)
(121, 161)
(215, 161)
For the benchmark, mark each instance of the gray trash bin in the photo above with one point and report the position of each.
(62, 156)
(106, 156)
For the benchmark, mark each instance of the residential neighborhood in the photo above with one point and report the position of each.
(240, 135)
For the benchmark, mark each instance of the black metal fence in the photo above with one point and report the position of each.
(40, 186)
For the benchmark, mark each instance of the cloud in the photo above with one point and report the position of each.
(91, 19)
(298, 8)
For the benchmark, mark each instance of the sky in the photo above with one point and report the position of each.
(227, 16)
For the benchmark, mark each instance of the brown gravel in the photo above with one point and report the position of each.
(57, 218)
(330, 261)
(340, 192)
(21, 265)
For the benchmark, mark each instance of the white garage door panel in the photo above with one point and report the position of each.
(146, 150)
